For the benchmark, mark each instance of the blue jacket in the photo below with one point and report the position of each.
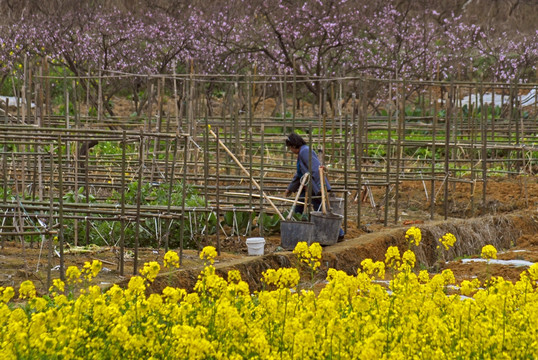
(302, 168)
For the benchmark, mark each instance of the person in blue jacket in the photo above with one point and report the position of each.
(297, 145)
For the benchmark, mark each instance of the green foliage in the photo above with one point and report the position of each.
(107, 148)
(72, 196)
(476, 111)
(483, 65)
(62, 109)
(270, 223)
(152, 231)
(152, 194)
(92, 111)
(7, 193)
(238, 220)
(288, 115)
(376, 151)
(7, 147)
(274, 130)
(413, 111)
(218, 93)
(6, 85)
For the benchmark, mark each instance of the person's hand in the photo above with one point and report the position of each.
(286, 193)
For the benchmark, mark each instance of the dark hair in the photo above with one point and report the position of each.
(295, 141)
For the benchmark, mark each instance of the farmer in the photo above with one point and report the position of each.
(297, 145)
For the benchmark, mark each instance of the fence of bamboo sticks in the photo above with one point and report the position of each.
(63, 175)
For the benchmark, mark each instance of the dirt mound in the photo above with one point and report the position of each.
(501, 231)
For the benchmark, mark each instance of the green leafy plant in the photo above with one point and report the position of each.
(238, 220)
(270, 223)
(78, 196)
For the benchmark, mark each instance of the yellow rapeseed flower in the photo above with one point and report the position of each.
(413, 235)
(96, 267)
(136, 285)
(310, 255)
(409, 259)
(7, 294)
(447, 240)
(72, 275)
(27, 290)
(171, 259)
(234, 276)
(370, 267)
(489, 252)
(57, 284)
(209, 253)
(282, 278)
(150, 270)
(353, 316)
(468, 287)
(533, 272)
(91, 269)
(423, 276)
(392, 257)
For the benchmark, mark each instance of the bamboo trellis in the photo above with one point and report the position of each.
(62, 171)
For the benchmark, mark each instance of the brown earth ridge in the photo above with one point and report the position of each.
(512, 231)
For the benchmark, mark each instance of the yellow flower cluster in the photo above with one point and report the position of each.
(352, 317)
(7, 294)
(489, 252)
(413, 235)
(72, 275)
(282, 278)
(150, 270)
(27, 290)
(90, 270)
(58, 287)
(310, 255)
(208, 254)
(392, 257)
(533, 272)
(171, 259)
(447, 240)
(370, 267)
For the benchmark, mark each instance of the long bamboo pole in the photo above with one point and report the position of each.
(304, 179)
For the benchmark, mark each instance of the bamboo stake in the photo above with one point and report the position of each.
(231, 193)
(217, 184)
(322, 182)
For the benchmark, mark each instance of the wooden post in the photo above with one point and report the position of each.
(434, 150)
(138, 200)
(389, 154)
(217, 190)
(183, 195)
(60, 208)
(323, 191)
(122, 210)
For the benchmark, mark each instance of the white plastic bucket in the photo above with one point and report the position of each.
(255, 245)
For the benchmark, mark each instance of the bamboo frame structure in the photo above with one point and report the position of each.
(58, 174)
